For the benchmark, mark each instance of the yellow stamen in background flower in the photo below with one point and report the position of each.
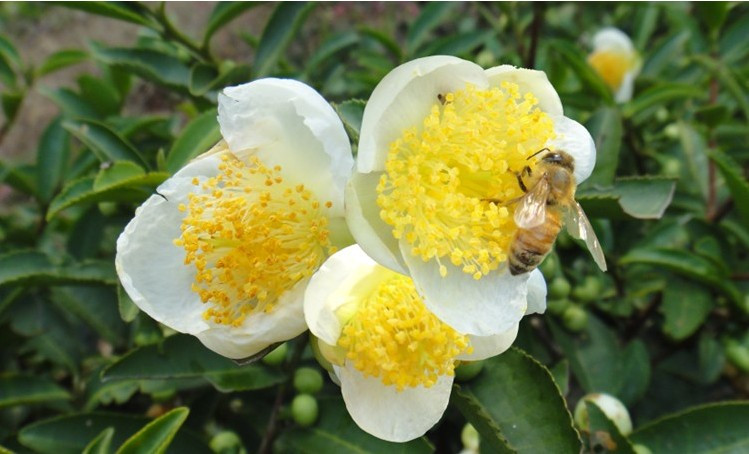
(611, 66)
(444, 183)
(394, 337)
(251, 236)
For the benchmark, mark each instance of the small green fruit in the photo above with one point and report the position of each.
(304, 410)
(558, 306)
(550, 265)
(225, 442)
(277, 356)
(468, 370)
(107, 208)
(559, 288)
(590, 289)
(738, 354)
(612, 407)
(307, 380)
(641, 449)
(575, 318)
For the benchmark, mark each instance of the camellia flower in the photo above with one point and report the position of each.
(225, 249)
(615, 59)
(394, 359)
(442, 144)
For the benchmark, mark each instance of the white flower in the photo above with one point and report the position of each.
(441, 141)
(393, 358)
(615, 59)
(225, 249)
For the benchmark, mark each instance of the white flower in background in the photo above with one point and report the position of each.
(393, 358)
(226, 248)
(441, 141)
(615, 59)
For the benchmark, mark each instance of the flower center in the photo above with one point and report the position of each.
(394, 337)
(448, 186)
(611, 66)
(251, 236)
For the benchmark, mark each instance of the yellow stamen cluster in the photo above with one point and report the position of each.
(448, 185)
(393, 336)
(251, 236)
(611, 66)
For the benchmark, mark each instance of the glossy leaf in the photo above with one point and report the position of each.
(713, 428)
(72, 433)
(157, 435)
(606, 128)
(280, 30)
(22, 267)
(101, 444)
(127, 308)
(685, 307)
(222, 14)
(604, 433)
(735, 181)
(432, 15)
(71, 103)
(182, 356)
(103, 141)
(336, 432)
(125, 11)
(196, 138)
(588, 77)
(351, 113)
(52, 157)
(61, 59)
(149, 64)
(516, 407)
(660, 95)
(641, 198)
(29, 389)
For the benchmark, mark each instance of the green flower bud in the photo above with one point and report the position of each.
(575, 318)
(307, 380)
(304, 410)
(470, 437)
(612, 407)
(559, 288)
(558, 307)
(277, 356)
(738, 354)
(226, 442)
(468, 370)
(642, 449)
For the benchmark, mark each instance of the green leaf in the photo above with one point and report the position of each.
(660, 95)
(118, 183)
(10, 62)
(731, 171)
(695, 153)
(329, 48)
(461, 44)
(71, 433)
(222, 14)
(71, 103)
(686, 264)
(664, 55)
(605, 125)
(280, 29)
(52, 157)
(197, 137)
(32, 267)
(589, 79)
(205, 77)
(107, 144)
(733, 41)
(101, 444)
(158, 67)
(11, 103)
(126, 11)
(516, 407)
(336, 432)
(637, 197)
(157, 435)
(96, 306)
(183, 356)
(100, 94)
(351, 113)
(385, 40)
(61, 59)
(727, 80)
(29, 389)
(604, 433)
(685, 307)
(432, 15)
(713, 428)
(127, 308)
(9, 51)
(561, 374)
(646, 25)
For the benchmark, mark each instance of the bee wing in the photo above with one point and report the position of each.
(532, 209)
(579, 226)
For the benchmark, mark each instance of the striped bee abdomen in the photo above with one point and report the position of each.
(530, 246)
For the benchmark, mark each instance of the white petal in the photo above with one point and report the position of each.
(404, 97)
(388, 414)
(488, 346)
(365, 224)
(626, 88)
(573, 138)
(332, 286)
(484, 307)
(287, 123)
(612, 39)
(528, 80)
(260, 329)
(536, 293)
(149, 265)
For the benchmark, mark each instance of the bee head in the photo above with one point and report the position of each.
(559, 158)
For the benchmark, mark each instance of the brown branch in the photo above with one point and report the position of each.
(538, 16)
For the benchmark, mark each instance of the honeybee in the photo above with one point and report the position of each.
(548, 203)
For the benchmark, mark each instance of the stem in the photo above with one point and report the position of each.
(538, 14)
(710, 209)
(170, 31)
(272, 429)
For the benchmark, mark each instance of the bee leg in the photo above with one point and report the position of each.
(519, 176)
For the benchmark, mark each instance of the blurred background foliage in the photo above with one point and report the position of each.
(103, 101)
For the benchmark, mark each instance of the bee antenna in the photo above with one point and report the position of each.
(539, 151)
